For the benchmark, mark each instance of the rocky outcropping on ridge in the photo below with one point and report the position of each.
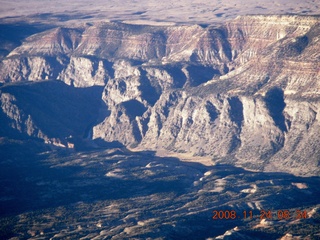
(246, 92)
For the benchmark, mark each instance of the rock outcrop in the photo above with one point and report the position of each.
(246, 92)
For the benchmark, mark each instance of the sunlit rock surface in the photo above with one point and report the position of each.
(245, 92)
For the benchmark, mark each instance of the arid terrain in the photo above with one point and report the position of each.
(186, 12)
(159, 120)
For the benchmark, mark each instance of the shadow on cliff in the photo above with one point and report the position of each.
(58, 110)
(12, 35)
(275, 103)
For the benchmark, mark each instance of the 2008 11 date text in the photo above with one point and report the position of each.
(264, 214)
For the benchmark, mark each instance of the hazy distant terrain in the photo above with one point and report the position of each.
(187, 11)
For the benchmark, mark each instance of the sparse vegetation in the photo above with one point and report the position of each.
(75, 199)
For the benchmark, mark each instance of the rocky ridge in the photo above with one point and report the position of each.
(246, 92)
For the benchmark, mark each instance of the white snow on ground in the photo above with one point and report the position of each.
(250, 190)
(300, 185)
(219, 185)
(155, 164)
(116, 173)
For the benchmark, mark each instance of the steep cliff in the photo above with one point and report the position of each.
(49, 110)
(246, 92)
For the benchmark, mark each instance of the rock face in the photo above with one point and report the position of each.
(50, 110)
(246, 92)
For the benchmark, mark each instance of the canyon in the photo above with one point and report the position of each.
(245, 92)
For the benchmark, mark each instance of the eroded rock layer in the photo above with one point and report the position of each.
(246, 92)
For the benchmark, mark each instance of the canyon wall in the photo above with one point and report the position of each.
(246, 92)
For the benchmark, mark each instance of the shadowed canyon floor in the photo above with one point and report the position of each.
(124, 195)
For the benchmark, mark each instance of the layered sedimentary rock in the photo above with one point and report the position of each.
(246, 92)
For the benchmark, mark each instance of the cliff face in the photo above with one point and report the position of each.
(246, 92)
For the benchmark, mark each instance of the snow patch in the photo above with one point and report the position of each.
(300, 185)
(250, 190)
(115, 173)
